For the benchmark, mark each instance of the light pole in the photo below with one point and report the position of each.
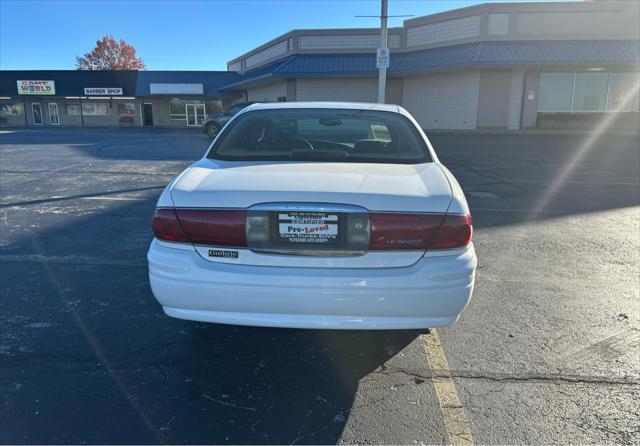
(382, 67)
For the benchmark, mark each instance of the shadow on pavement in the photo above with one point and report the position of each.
(89, 356)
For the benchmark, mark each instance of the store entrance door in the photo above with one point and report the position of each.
(148, 114)
(36, 111)
(54, 117)
(195, 114)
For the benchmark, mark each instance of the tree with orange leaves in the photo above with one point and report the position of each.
(110, 55)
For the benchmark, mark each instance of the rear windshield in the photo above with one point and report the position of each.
(334, 135)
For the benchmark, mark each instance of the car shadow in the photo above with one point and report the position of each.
(89, 356)
(277, 386)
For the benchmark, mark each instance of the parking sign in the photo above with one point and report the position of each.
(382, 58)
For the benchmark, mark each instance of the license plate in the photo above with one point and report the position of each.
(317, 228)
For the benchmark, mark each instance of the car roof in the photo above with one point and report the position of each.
(321, 105)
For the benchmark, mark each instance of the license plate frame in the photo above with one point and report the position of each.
(306, 228)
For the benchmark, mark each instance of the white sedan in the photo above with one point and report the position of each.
(315, 215)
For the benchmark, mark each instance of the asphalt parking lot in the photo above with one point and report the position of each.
(548, 351)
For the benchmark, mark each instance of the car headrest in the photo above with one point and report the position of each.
(369, 146)
(286, 127)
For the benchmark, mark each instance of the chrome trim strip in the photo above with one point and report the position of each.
(310, 207)
(309, 252)
(328, 207)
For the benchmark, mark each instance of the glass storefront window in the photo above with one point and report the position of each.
(127, 112)
(72, 109)
(10, 109)
(590, 92)
(623, 92)
(177, 109)
(214, 107)
(96, 108)
(555, 92)
(126, 109)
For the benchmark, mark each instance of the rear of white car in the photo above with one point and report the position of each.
(315, 215)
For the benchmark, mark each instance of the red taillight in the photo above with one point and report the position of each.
(419, 231)
(214, 227)
(455, 232)
(387, 231)
(201, 227)
(166, 226)
(403, 231)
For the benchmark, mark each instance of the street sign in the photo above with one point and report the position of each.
(382, 58)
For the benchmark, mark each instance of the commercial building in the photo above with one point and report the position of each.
(112, 98)
(506, 65)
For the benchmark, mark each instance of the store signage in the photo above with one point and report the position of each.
(382, 58)
(175, 88)
(37, 87)
(103, 91)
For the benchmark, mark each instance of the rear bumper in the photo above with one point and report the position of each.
(431, 293)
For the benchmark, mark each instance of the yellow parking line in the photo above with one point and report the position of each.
(455, 422)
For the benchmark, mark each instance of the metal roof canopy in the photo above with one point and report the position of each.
(211, 81)
(484, 54)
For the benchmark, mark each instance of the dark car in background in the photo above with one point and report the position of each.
(212, 124)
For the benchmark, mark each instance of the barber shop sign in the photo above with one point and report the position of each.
(37, 87)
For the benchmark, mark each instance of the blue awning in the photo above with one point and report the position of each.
(476, 54)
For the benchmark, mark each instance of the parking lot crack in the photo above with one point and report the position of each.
(551, 378)
(230, 404)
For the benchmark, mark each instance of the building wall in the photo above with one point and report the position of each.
(443, 101)
(393, 92)
(493, 98)
(267, 93)
(576, 24)
(266, 54)
(113, 119)
(160, 112)
(569, 21)
(337, 89)
(160, 109)
(516, 98)
(531, 93)
(602, 20)
(360, 89)
(345, 41)
(453, 29)
(65, 118)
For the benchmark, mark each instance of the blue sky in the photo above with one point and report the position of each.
(176, 35)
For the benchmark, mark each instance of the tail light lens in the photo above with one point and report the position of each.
(214, 227)
(455, 232)
(419, 231)
(383, 231)
(403, 231)
(205, 227)
(166, 226)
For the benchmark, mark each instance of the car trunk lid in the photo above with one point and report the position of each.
(316, 214)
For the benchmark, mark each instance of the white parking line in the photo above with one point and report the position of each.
(551, 212)
(115, 198)
(455, 422)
